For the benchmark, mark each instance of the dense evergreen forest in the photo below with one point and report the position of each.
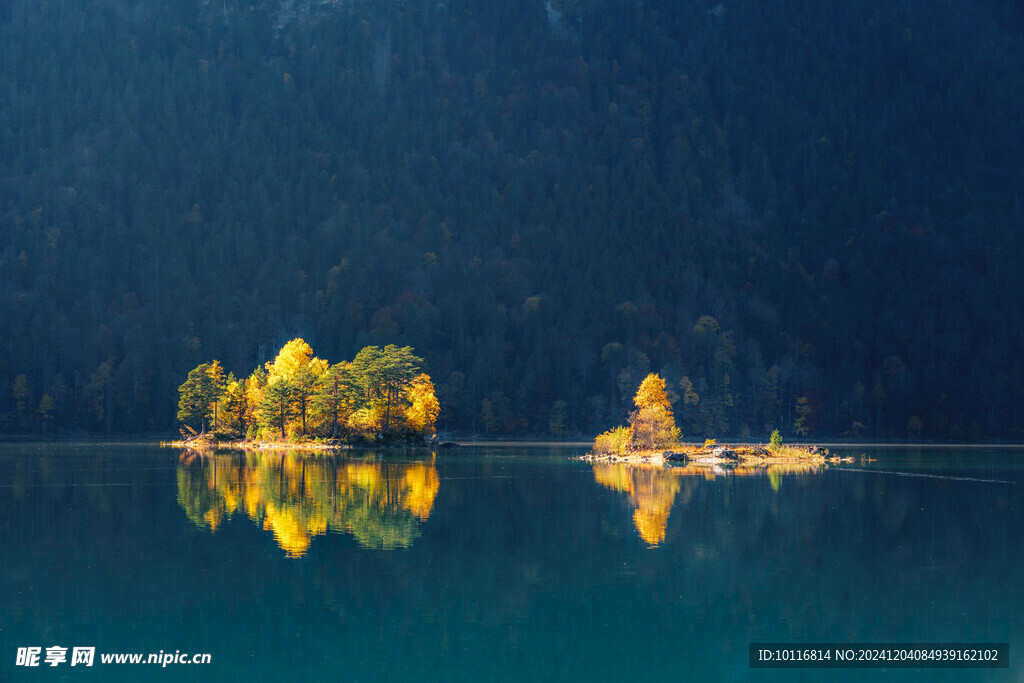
(802, 215)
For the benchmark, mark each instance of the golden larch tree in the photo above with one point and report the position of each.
(422, 413)
(292, 356)
(652, 423)
(296, 365)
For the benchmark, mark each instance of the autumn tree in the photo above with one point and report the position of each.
(651, 426)
(296, 365)
(292, 356)
(652, 423)
(255, 385)
(218, 382)
(421, 415)
(236, 404)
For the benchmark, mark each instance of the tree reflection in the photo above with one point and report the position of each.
(297, 496)
(653, 489)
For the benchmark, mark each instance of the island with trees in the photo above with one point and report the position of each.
(298, 400)
(652, 437)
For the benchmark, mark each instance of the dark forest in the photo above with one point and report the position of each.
(804, 216)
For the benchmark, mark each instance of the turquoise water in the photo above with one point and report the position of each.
(499, 563)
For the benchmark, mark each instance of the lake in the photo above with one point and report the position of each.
(499, 563)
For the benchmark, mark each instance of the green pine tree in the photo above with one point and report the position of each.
(196, 397)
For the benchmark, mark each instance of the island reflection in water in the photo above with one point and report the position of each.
(298, 496)
(653, 489)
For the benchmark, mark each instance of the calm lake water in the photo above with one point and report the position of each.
(495, 563)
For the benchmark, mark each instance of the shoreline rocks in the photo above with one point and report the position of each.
(715, 456)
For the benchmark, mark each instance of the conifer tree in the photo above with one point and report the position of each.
(304, 387)
(384, 373)
(196, 397)
(336, 396)
(652, 423)
(277, 406)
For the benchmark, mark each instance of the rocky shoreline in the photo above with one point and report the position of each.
(716, 455)
(207, 443)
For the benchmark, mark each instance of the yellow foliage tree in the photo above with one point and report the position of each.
(218, 382)
(255, 386)
(653, 425)
(234, 406)
(296, 364)
(294, 355)
(422, 413)
(367, 420)
(651, 394)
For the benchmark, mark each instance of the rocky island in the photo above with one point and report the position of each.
(717, 454)
(653, 438)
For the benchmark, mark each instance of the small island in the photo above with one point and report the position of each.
(301, 402)
(653, 438)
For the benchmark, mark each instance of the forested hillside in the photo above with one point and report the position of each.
(802, 215)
